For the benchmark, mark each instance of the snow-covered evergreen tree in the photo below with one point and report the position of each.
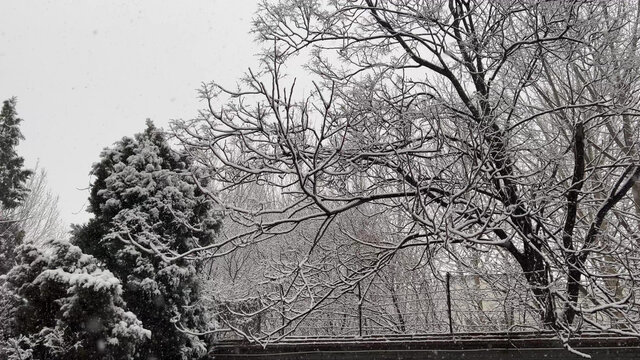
(146, 210)
(12, 183)
(60, 304)
(12, 174)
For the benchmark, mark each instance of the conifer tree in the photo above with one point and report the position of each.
(147, 208)
(12, 174)
(12, 183)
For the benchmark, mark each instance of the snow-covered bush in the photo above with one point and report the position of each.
(148, 210)
(60, 304)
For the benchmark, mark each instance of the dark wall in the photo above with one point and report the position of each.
(476, 347)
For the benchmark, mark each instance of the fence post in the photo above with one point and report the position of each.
(283, 316)
(448, 280)
(359, 310)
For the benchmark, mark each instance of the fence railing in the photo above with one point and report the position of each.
(452, 303)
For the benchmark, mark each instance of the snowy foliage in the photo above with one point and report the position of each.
(62, 305)
(148, 210)
(11, 235)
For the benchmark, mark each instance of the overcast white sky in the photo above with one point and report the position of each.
(89, 72)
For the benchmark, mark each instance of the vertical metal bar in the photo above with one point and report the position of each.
(448, 278)
(524, 306)
(283, 317)
(359, 310)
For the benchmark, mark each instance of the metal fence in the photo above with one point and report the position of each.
(454, 304)
(451, 303)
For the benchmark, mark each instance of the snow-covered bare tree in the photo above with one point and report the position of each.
(38, 215)
(501, 127)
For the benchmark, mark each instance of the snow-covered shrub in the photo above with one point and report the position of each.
(62, 305)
